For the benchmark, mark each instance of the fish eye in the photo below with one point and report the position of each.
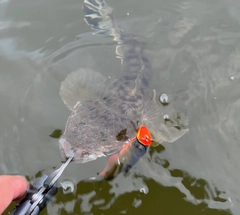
(85, 153)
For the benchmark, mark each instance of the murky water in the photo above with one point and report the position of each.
(195, 52)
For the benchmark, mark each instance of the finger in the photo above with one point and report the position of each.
(11, 188)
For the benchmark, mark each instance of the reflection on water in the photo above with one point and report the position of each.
(194, 49)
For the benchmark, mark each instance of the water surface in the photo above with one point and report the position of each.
(195, 52)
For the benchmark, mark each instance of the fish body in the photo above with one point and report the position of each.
(105, 117)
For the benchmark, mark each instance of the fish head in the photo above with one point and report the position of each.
(94, 130)
(80, 156)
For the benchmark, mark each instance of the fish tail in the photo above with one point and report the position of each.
(100, 17)
(135, 65)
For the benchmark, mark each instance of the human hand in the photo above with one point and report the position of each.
(12, 188)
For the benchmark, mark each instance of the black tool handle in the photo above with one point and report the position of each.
(23, 207)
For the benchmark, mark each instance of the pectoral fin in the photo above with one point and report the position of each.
(82, 84)
(164, 130)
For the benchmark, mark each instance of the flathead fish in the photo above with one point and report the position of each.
(105, 116)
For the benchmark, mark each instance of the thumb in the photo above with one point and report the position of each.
(12, 187)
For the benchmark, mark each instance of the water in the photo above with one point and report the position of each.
(195, 52)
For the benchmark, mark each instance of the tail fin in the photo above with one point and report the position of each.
(99, 16)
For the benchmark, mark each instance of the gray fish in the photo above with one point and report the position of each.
(105, 116)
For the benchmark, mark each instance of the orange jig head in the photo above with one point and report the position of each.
(144, 136)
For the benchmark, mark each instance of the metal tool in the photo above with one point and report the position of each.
(41, 192)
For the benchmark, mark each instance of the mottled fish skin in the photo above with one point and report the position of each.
(130, 92)
(102, 126)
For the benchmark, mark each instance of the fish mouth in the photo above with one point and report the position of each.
(81, 155)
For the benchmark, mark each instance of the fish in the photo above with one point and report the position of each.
(105, 115)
